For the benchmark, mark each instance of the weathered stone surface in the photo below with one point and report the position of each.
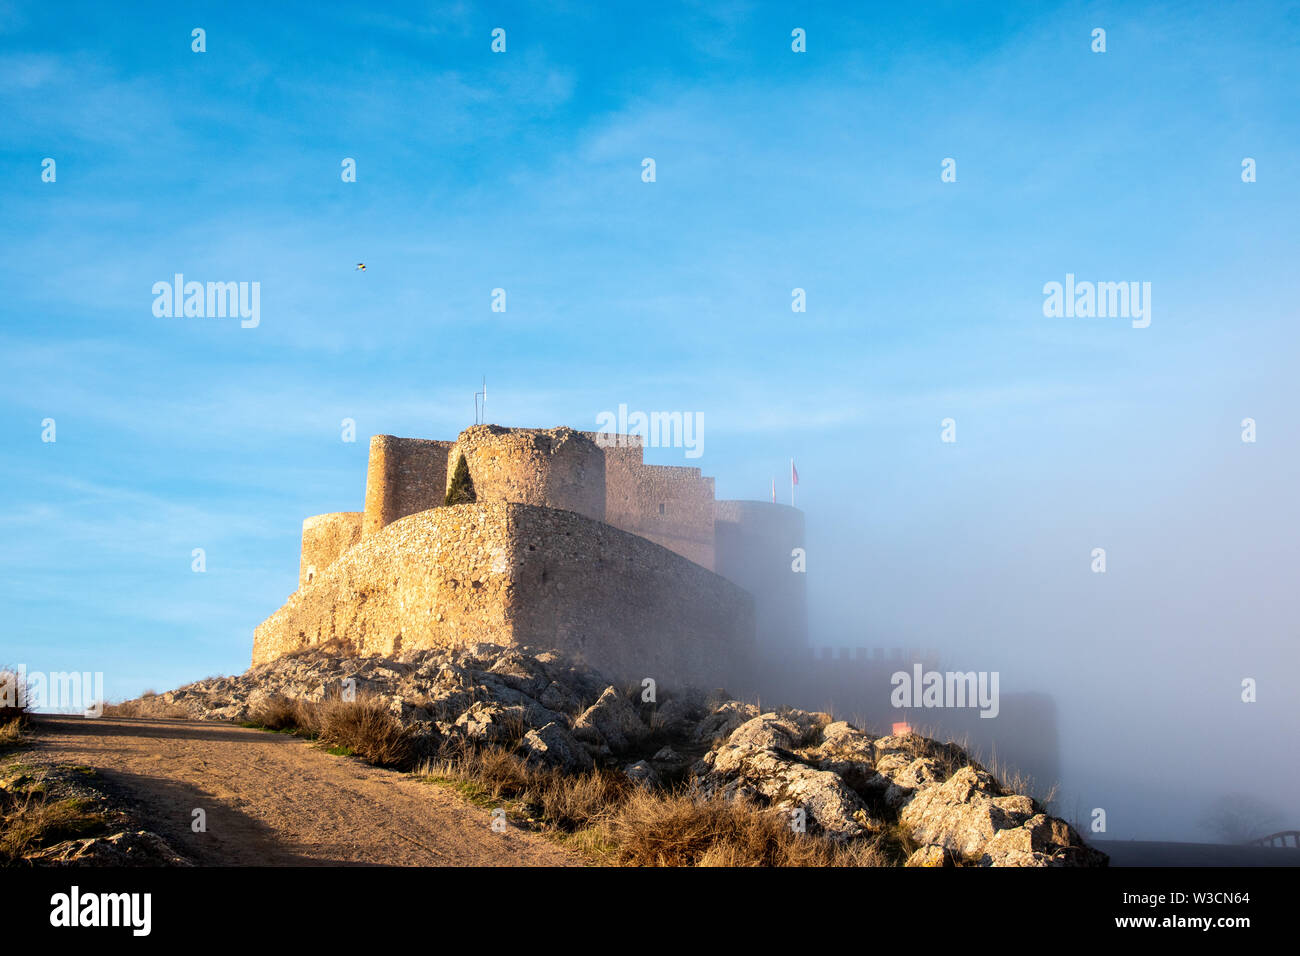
(521, 575)
(138, 848)
(642, 773)
(964, 813)
(491, 723)
(757, 760)
(1040, 841)
(920, 773)
(611, 721)
(848, 752)
(677, 716)
(324, 538)
(786, 783)
(725, 718)
(552, 745)
(767, 731)
(932, 855)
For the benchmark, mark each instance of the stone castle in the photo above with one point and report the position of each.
(570, 541)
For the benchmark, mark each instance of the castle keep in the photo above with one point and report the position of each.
(569, 541)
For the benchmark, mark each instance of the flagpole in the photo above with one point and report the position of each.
(791, 482)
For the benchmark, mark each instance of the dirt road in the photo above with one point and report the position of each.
(271, 799)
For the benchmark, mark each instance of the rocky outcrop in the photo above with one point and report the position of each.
(138, 848)
(556, 713)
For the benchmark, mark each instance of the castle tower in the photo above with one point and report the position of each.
(324, 538)
(753, 545)
(554, 467)
(404, 476)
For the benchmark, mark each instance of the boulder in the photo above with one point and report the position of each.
(553, 746)
(138, 848)
(756, 761)
(932, 855)
(677, 717)
(964, 813)
(491, 723)
(725, 718)
(642, 774)
(611, 721)
(766, 732)
(1040, 841)
(848, 752)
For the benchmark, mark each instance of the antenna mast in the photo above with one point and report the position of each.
(477, 395)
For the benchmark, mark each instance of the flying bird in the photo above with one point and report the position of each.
(361, 267)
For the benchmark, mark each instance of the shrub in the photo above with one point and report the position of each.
(284, 713)
(13, 705)
(367, 728)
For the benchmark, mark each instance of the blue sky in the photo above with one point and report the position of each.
(775, 170)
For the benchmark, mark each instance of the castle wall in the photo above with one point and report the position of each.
(404, 476)
(324, 538)
(671, 506)
(753, 541)
(438, 577)
(628, 606)
(553, 468)
(511, 573)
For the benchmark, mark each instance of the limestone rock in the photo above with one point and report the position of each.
(611, 721)
(553, 745)
(932, 855)
(964, 813)
(642, 773)
(724, 719)
(138, 848)
(1040, 841)
(491, 723)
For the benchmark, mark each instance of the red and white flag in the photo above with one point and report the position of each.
(794, 473)
(773, 491)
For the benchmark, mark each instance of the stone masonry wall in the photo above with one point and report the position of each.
(437, 577)
(404, 476)
(554, 468)
(669, 505)
(511, 573)
(626, 606)
(324, 538)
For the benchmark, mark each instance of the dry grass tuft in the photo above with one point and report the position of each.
(605, 814)
(368, 729)
(364, 727)
(30, 821)
(282, 713)
(679, 829)
(11, 734)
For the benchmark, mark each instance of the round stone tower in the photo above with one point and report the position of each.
(554, 467)
(754, 546)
